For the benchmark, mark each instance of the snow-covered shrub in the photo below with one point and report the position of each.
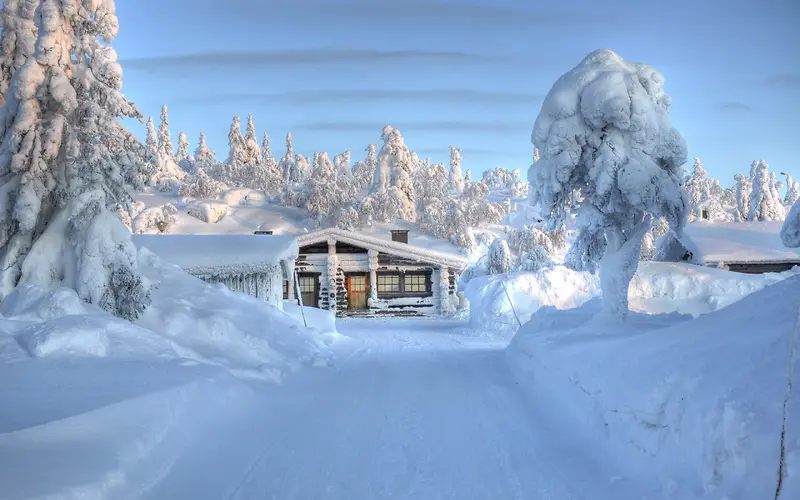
(519, 189)
(207, 210)
(498, 260)
(527, 238)
(168, 184)
(152, 216)
(475, 270)
(535, 259)
(201, 186)
(604, 130)
(500, 178)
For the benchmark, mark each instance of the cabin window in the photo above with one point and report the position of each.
(415, 283)
(285, 289)
(388, 283)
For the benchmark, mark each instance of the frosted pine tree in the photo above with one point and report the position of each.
(183, 149)
(152, 137)
(743, 187)
(266, 152)
(774, 187)
(364, 170)
(204, 156)
(236, 153)
(498, 259)
(252, 153)
(164, 139)
(792, 193)
(62, 182)
(763, 205)
(604, 130)
(287, 165)
(323, 196)
(455, 182)
(698, 188)
(395, 158)
(17, 40)
(468, 178)
(302, 168)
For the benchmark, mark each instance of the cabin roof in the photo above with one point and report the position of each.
(406, 250)
(740, 243)
(221, 254)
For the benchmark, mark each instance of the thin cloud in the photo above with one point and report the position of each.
(249, 59)
(734, 106)
(790, 80)
(426, 126)
(368, 96)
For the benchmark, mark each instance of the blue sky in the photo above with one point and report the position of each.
(470, 73)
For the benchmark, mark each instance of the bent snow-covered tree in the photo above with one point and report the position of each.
(604, 131)
(60, 179)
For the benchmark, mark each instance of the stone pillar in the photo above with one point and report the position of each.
(444, 290)
(332, 265)
(373, 275)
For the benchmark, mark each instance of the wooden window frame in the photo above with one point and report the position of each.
(401, 293)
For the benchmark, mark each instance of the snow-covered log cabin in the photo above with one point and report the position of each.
(256, 265)
(353, 274)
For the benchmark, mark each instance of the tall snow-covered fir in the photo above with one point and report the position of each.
(604, 130)
(62, 180)
(165, 146)
(456, 183)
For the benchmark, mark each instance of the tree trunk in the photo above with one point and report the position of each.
(618, 265)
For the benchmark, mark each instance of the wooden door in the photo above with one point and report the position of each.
(309, 289)
(357, 291)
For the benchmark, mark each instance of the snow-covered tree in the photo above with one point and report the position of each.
(430, 183)
(204, 156)
(395, 158)
(792, 193)
(287, 165)
(302, 167)
(604, 130)
(201, 186)
(252, 153)
(764, 205)
(455, 182)
(17, 40)
(164, 139)
(526, 238)
(324, 196)
(743, 188)
(237, 155)
(183, 149)
(364, 170)
(533, 260)
(498, 259)
(62, 182)
(790, 232)
(698, 188)
(266, 152)
(152, 138)
(468, 178)
(774, 187)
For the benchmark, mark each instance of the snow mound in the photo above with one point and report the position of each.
(210, 211)
(698, 404)
(657, 287)
(740, 242)
(244, 197)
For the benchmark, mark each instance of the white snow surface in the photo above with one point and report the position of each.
(205, 254)
(502, 303)
(695, 405)
(742, 242)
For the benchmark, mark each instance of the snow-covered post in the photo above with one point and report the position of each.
(332, 264)
(373, 274)
(444, 290)
(604, 130)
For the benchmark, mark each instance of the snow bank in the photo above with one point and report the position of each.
(207, 210)
(244, 197)
(657, 287)
(698, 404)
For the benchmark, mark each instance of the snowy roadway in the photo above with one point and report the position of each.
(409, 410)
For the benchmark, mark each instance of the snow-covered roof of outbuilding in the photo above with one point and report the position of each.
(418, 254)
(220, 254)
(740, 243)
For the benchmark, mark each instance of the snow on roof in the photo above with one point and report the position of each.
(220, 254)
(740, 242)
(455, 262)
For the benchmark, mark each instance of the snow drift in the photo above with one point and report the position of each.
(697, 403)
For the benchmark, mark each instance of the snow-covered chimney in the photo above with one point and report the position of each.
(400, 235)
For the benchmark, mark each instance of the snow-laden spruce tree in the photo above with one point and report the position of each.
(252, 152)
(364, 170)
(62, 184)
(455, 182)
(164, 137)
(204, 156)
(498, 260)
(468, 178)
(266, 152)
(763, 203)
(790, 232)
(396, 159)
(792, 193)
(323, 197)
(152, 138)
(698, 188)
(237, 156)
(287, 165)
(604, 130)
(201, 186)
(775, 187)
(742, 189)
(17, 40)
(183, 149)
